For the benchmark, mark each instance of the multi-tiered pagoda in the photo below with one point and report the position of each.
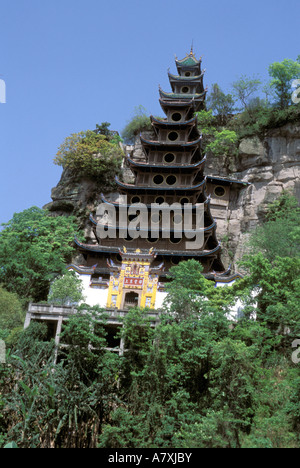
(129, 270)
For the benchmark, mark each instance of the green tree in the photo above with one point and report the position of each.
(138, 123)
(91, 154)
(34, 248)
(220, 103)
(103, 129)
(64, 404)
(224, 143)
(66, 290)
(11, 313)
(243, 90)
(234, 380)
(279, 235)
(282, 74)
(188, 290)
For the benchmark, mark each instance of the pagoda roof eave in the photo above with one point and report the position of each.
(188, 61)
(196, 97)
(189, 253)
(168, 143)
(220, 278)
(166, 123)
(181, 253)
(195, 78)
(159, 188)
(133, 163)
(174, 103)
(83, 270)
(225, 181)
(96, 247)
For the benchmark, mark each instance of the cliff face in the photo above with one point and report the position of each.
(269, 165)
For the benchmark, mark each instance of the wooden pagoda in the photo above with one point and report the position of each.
(134, 269)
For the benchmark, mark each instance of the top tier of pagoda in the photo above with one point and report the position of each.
(188, 84)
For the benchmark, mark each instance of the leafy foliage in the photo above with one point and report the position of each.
(11, 311)
(224, 143)
(220, 141)
(66, 290)
(34, 247)
(195, 381)
(92, 154)
(282, 74)
(244, 88)
(139, 122)
(279, 235)
(222, 105)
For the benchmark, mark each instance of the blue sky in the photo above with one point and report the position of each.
(69, 64)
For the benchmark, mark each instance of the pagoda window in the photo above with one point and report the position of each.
(136, 199)
(176, 116)
(173, 136)
(219, 191)
(184, 200)
(187, 73)
(169, 158)
(159, 200)
(185, 89)
(175, 240)
(158, 179)
(175, 260)
(171, 180)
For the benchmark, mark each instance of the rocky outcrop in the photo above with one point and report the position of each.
(270, 164)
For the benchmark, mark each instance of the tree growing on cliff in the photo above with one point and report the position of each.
(282, 74)
(223, 105)
(244, 90)
(91, 154)
(139, 122)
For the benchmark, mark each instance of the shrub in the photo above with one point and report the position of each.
(90, 154)
(140, 122)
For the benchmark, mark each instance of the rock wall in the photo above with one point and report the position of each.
(270, 164)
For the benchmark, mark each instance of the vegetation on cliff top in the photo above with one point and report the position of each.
(94, 154)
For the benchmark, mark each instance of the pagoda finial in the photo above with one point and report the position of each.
(192, 48)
